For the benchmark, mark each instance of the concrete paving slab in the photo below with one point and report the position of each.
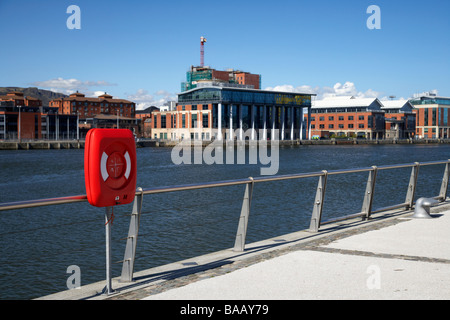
(416, 237)
(322, 275)
(409, 260)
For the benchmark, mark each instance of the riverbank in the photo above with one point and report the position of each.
(47, 145)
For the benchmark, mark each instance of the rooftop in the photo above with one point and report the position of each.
(345, 102)
(82, 98)
(233, 88)
(396, 104)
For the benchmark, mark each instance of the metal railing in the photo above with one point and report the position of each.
(239, 245)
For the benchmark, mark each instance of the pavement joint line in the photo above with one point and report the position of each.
(380, 255)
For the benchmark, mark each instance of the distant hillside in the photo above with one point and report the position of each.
(44, 95)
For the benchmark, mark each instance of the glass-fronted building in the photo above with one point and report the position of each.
(222, 112)
(433, 116)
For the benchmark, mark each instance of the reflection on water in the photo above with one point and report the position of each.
(38, 245)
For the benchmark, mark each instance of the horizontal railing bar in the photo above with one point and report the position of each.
(335, 172)
(83, 198)
(410, 165)
(194, 186)
(288, 177)
(41, 202)
(430, 163)
(227, 183)
(396, 206)
(396, 166)
(351, 216)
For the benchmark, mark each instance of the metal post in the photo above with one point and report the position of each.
(230, 112)
(20, 124)
(219, 122)
(239, 243)
(444, 186)
(412, 186)
(368, 196)
(108, 215)
(309, 123)
(318, 203)
(130, 249)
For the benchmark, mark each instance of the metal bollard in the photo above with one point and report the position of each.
(422, 209)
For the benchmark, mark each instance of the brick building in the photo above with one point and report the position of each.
(101, 112)
(347, 116)
(78, 103)
(24, 118)
(196, 76)
(400, 119)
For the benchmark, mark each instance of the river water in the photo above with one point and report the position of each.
(39, 245)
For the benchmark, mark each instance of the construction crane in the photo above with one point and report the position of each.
(202, 51)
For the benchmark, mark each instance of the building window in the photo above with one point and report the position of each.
(321, 118)
(341, 118)
(205, 120)
(350, 118)
(330, 126)
(194, 107)
(330, 118)
(205, 107)
(183, 120)
(341, 126)
(361, 118)
(321, 126)
(194, 121)
(350, 125)
(361, 126)
(163, 121)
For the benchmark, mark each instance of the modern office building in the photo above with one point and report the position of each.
(220, 111)
(433, 116)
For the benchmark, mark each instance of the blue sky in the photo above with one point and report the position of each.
(141, 50)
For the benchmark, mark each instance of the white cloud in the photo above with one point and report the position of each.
(68, 86)
(339, 89)
(143, 99)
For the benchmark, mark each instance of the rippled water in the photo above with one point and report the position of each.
(38, 245)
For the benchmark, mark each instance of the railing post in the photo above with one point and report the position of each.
(239, 244)
(444, 186)
(108, 221)
(368, 196)
(412, 186)
(130, 249)
(318, 203)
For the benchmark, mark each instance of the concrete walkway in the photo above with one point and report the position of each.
(409, 259)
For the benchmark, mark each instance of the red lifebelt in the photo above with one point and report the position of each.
(110, 167)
